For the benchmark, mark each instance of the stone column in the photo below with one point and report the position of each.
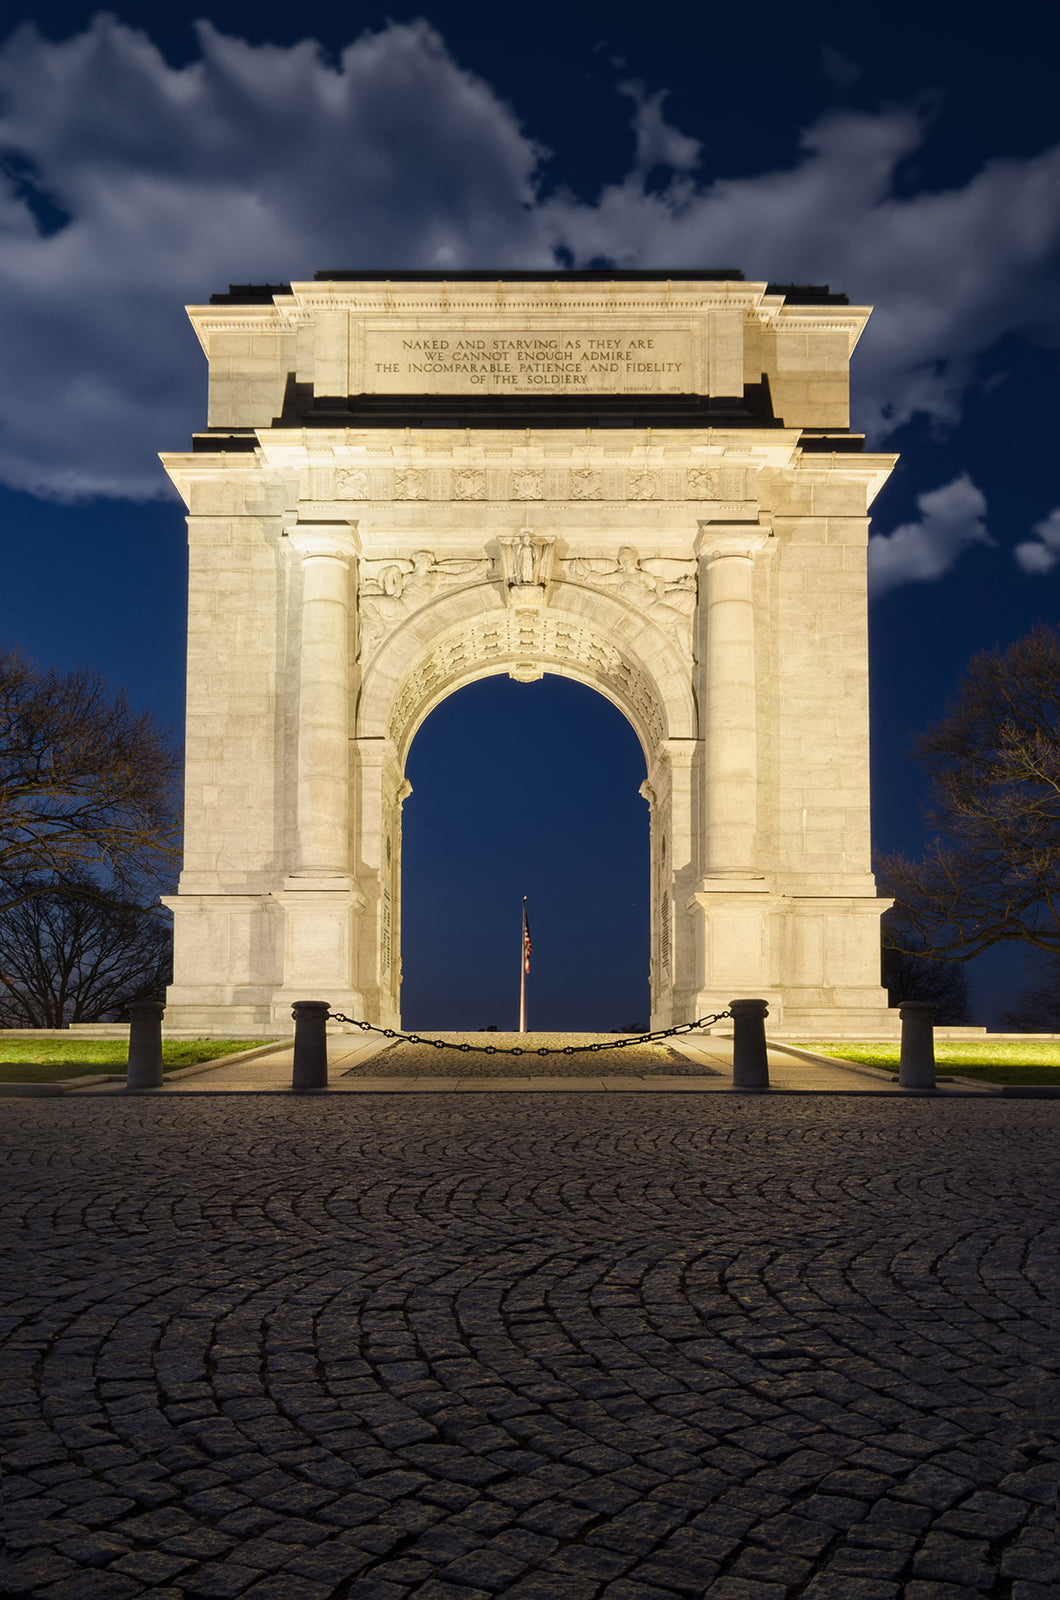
(323, 700)
(675, 879)
(728, 701)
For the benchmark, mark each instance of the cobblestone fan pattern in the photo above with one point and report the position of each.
(425, 1061)
(557, 1348)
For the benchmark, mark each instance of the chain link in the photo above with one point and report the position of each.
(540, 1050)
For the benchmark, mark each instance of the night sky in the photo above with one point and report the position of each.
(902, 154)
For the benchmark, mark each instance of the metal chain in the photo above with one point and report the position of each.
(541, 1050)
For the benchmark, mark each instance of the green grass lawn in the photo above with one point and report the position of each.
(1037, 1061)
(50, 1060)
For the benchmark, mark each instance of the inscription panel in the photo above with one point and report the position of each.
(527, 361)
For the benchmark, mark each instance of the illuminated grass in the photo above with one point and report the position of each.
(1034, 1061)
(50, 1060)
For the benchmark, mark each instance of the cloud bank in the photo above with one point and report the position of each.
(134, 187)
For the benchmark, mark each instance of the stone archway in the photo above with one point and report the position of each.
(502, 795)
(473, 636)
(648, 485)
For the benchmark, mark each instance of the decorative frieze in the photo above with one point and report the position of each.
(505, 483)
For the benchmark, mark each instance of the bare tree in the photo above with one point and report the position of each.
(87, 786)
(907, 976)
(991, 872)
(67, 955)
(1037, 1009)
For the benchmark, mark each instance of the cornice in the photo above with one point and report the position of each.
(550, 302)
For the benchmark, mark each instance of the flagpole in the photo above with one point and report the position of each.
(522, 971)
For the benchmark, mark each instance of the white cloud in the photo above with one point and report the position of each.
(952, 519)
(257, 162)
(1041, 553)
(254, 163)
(948, 273)
(658, 144)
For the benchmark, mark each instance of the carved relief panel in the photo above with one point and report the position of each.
(392, 589)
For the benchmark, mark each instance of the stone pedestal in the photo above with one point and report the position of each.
(916, 1065)
(750, 1059)
(310, 1070)
(145, 1045)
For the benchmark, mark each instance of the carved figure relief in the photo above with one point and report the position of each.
(390, 591)
(664, 586)
(643, 486)
(527, 566)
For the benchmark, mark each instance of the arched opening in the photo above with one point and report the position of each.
(525, 788)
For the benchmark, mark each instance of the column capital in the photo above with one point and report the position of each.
(338, 540)
(679, 752)
(717, 539)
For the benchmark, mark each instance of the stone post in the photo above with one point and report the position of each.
(750, 1063)
(323, 701)
(145, 1045)
(310, 1045)
(916, 1066)
(730, 723)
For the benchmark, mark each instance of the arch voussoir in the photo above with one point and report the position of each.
(600, 643)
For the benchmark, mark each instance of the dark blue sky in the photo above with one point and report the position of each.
(903, 153)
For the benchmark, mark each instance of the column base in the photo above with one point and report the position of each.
(814, 958)
(733, 883)
(348, 1001)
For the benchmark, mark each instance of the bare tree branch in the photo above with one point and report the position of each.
(1037, 1007)
(912, 976)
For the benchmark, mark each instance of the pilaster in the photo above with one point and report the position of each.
(729, 703)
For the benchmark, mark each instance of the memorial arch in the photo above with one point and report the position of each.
(410, 482)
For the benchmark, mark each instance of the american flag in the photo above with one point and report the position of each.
(527, 946)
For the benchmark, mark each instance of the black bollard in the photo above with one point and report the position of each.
(916, 1064)
(145, 1044)
(310, 1045)
(750, 1064)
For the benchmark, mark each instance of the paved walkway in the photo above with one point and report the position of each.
(371, 1065)
(541, 1347)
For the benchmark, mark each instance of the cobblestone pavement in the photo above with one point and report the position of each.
(566, 1347)
(423, 1060)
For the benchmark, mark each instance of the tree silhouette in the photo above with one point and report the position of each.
(991, 872)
